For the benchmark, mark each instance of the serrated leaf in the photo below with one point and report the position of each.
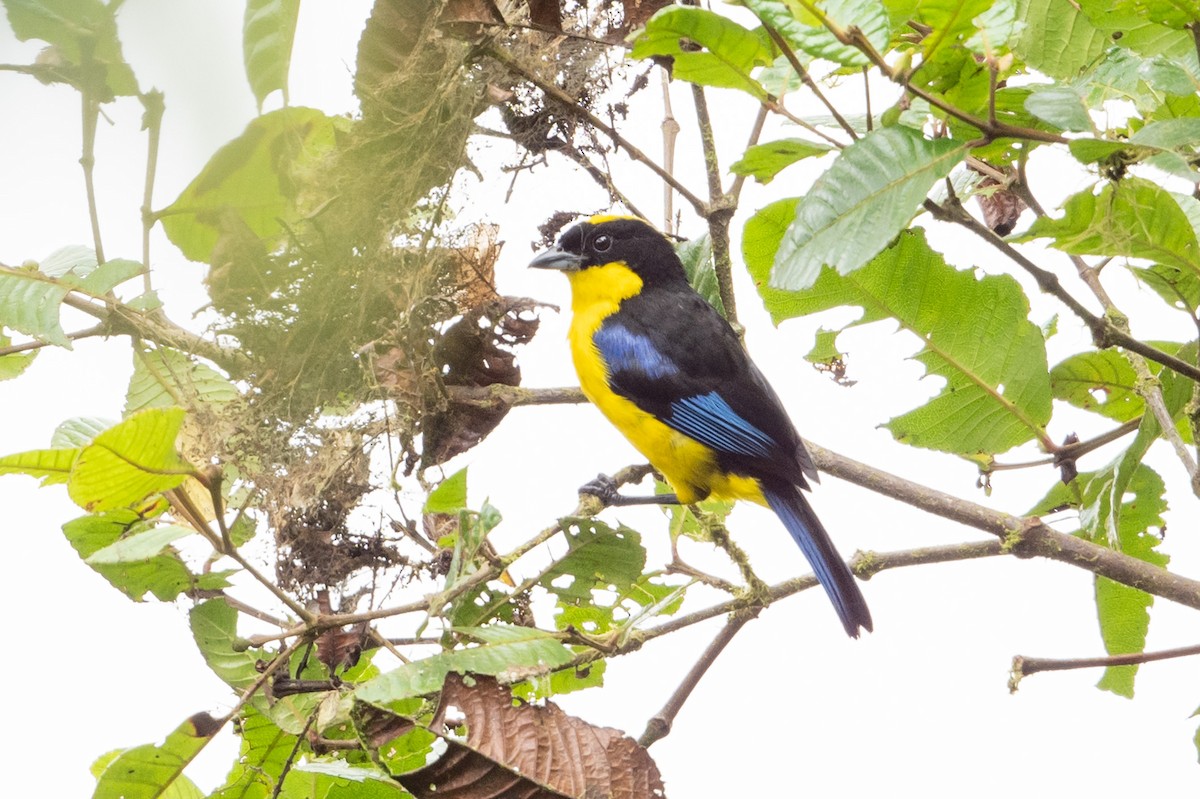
(729, 52)
(267, 35)
(505, 650)
(156, 772)
(29, 303)
(249, 185)
(141, 546)
(79, 432)
(450, 496)
(825, 349)
(975, 334)
(764, 161)
(163, 377)
(129, 462)
(876, 184)
(697, 258)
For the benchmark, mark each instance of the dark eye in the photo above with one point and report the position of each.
(602, 243)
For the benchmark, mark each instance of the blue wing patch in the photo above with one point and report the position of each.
(709, 419)
(625, 351)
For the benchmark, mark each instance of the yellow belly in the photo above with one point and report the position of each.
(689, 466)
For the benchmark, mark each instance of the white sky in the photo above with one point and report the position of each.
(792, 706)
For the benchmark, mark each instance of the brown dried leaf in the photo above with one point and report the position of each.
(1001, 208)
(475, 354)
(528, 751)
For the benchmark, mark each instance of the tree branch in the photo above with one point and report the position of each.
(1024, 537)
(1023, 666)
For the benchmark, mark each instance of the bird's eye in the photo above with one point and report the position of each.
(602, 243)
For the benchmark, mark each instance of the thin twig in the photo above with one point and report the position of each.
(670, 131)
(719, 212)
(807, 80)
(152, 102)
(13, 349)
(91, 115)
(735, 190)
(659, 725)
(573, 106)
(1073, 451)
(1023, 666)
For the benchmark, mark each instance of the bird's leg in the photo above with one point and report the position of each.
(604, 488)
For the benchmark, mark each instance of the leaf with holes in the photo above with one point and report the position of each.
(149, 771)
(975, 334)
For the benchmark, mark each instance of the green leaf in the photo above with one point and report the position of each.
(109, 275)
(1061, 106)
(729, 52)
(156, 772)
(1122, 611)
(79, 432)
(49, 465)
(249, 185)
(975, 334)
(505, 650)
(804, 32)
(29, 303)
(83, 34)
(996, 28)
(697, 257)
(14, 364)
(164, 575)
(129, 462)
(1102, 381)
(1133, 218)
(163, 377)
(450, 496)
(267, 35)
(214, 628)
(950, 21)
(142, 546)
(764, 161)
(264, 753)
(876, 184)
(597, 558)
(1058, 40)
(825, 348)
(74, 260)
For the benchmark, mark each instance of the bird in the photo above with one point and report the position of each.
(671, 374)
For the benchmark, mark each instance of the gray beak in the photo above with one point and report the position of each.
(557, 258)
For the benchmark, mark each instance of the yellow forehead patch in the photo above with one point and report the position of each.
(600, 219)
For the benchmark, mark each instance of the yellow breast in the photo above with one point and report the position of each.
(689, 466)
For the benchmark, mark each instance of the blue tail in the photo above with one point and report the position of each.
(834, 575)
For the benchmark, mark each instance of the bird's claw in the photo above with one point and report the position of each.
(603, 488)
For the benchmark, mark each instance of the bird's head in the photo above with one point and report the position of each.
(606, 240)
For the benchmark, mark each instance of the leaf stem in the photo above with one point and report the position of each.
(152, 102)
(807, 80)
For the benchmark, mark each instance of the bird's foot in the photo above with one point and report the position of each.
(603, 488)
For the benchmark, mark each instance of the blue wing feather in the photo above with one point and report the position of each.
(626, 351)
(709, 419)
